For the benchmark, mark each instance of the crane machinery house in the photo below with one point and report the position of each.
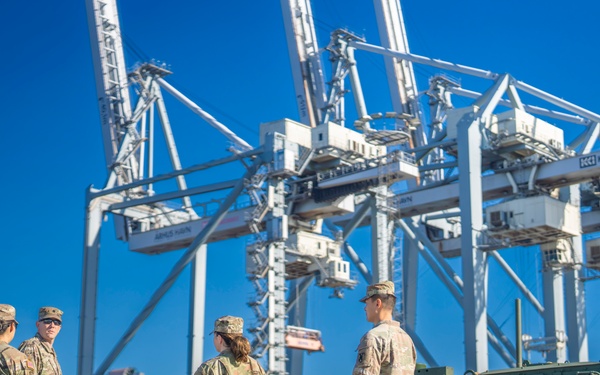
(330, 141)
(515, 129)
(533, 220)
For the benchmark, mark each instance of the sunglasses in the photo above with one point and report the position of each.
(48, 321)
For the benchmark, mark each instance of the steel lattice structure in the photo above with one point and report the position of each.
(319, 173)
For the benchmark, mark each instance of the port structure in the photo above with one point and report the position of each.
(420, 186)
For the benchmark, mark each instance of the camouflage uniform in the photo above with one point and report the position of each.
(225, 363)
(41, 352)
(12, 361)
(386, 349)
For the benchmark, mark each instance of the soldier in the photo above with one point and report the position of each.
(385, 349)
(39, 347)
(12, 361)
(234, 351)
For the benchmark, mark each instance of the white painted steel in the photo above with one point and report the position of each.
(528, 108)
(205, 115)
(474, 261)
(554, 315)
(176, 270)
(517, 280)
(305, 60)
(110, 71)
(89, 289)
(172, 147)
(197, 304)
(308, 78)
(425, 60)
(401, 76)
(296, 311)
(575, 301)
(381, 261)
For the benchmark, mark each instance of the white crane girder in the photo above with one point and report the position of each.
(555, 174)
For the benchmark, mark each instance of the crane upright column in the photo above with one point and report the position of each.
(474, 261)
(277, 229)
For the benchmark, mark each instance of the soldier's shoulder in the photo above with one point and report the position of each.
(211, 363)
(32, 341)
(13, 353)
(379, 330)
(370, 338)
(10, 356)
(384, 331)
(29, 344)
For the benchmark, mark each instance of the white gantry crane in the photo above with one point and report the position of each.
(319, 175)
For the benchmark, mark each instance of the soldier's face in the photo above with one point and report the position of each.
(48, 331)
(370, 309)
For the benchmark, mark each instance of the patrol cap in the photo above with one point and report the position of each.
(50, 312)
(8, 313)
(229, 324)
(386, 287)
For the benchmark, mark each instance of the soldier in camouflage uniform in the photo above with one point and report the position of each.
(385, 349)
(234, 351)
(12, 361)
(39, 348)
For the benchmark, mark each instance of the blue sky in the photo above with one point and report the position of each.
(231, 58)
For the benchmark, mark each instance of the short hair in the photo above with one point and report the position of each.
(388, 301)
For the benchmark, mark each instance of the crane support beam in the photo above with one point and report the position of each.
(439, 197)
(554, 174)
(476, 73)
(450, 278)
(559, 173)
(89, 289)
(197, 304)
(187, 257)
(174, 174)
(474, 261)
(528, 108)
(243, 145)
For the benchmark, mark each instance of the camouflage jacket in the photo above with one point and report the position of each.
(13, 362)
(386, 349)
(225, 364)
(43, 355)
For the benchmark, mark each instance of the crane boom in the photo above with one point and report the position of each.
(305, 60)
(111, 80)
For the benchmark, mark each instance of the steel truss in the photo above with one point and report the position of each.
(278, 194)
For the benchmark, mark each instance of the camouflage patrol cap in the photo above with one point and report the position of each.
(229, 324)
(8, 313)
(386, 287)
(50, 312)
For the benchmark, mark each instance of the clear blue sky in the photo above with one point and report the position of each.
(231, 58)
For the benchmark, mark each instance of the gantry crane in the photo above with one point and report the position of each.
(319, 172)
